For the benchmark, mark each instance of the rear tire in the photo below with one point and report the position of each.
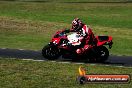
(102, 54)
(50, 52)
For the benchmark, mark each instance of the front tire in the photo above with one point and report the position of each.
(50, 52)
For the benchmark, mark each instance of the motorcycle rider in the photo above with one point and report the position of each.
(85, 32)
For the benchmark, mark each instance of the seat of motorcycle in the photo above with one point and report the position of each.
(103, 38)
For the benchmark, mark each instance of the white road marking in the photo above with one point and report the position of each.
(21, 49)
(27, 59)
(3, 48)
(78, 63)
(64, 62)
(39, 60)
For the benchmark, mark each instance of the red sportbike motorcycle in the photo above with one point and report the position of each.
(65, 45)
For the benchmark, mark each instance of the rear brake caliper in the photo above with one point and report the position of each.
(110, 44)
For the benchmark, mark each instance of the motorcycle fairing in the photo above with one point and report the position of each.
(74, 39)
(103, 40)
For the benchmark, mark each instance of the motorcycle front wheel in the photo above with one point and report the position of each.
(50, 52)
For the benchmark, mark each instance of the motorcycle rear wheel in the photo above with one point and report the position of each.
(102, 54)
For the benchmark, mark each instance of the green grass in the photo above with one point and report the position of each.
(110, 14)
(30, 74)
(26, 34)
(73, 0)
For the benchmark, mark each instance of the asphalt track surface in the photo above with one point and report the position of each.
(36, 55)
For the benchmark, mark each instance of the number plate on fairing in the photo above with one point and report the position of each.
(74, 39)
